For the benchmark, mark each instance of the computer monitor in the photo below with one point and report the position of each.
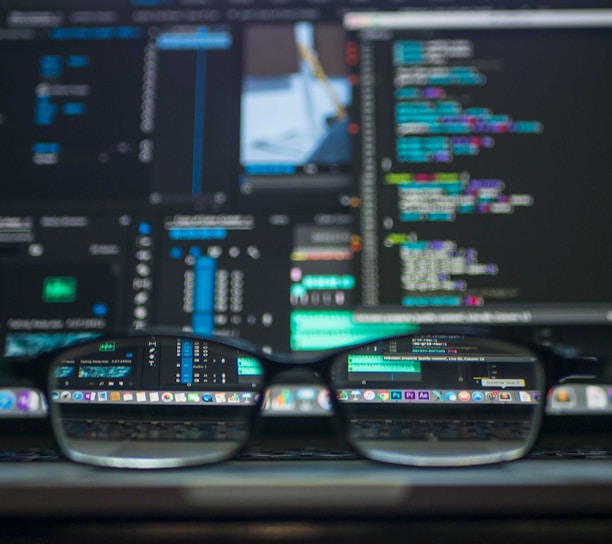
(302, 175)
(482, 165)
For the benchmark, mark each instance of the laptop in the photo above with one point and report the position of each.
(305, 176)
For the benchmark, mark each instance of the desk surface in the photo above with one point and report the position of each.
(308, 489)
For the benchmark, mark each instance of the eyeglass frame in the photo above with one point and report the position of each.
(36, 369)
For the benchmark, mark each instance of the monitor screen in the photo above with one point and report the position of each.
(302, 175)
(482, 163)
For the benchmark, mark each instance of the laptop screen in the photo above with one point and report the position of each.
(302, 175)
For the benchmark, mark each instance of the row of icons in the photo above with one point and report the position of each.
(438, 396)
(313, 399)
(286, 397)
(572, 397)
(22, 401)
(155, 397)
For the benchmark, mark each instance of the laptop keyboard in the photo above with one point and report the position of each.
(155, 430)
(439, 430)
(415, 430)
(360, 429)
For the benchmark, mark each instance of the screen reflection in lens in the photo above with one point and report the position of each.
(153, 402)
(440, 400)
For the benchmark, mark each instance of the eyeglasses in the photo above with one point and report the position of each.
(160, 401)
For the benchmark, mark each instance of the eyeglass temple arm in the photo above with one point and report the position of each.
(24, 371)
(582, 368)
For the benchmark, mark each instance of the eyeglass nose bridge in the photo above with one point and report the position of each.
(300, 389)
